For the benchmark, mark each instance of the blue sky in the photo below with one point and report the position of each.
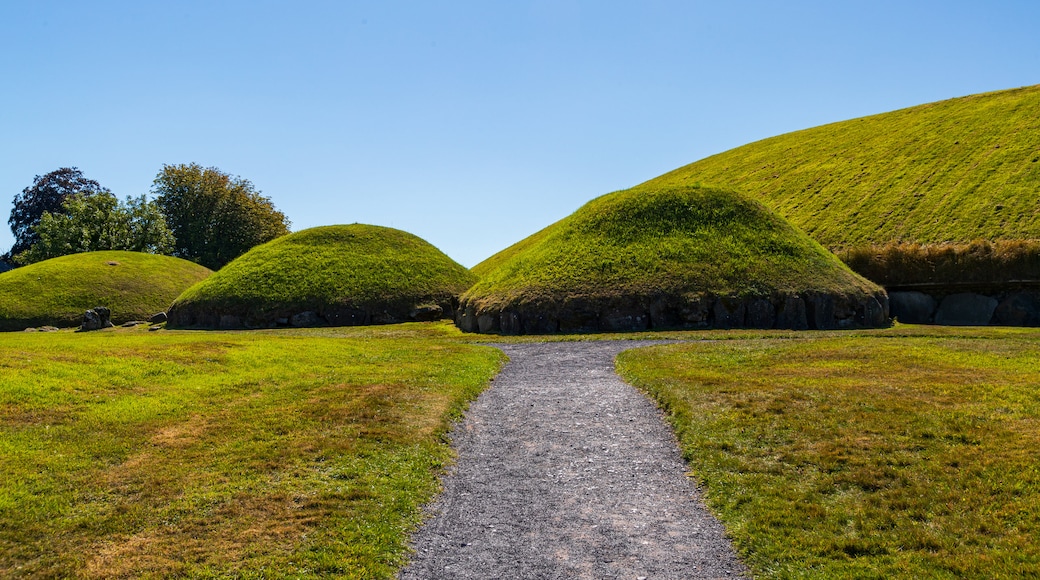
(470, 124)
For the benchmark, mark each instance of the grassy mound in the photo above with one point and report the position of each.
(56, 292)
(662, 257)
(955, 171)
(336, 275)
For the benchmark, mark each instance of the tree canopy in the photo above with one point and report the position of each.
(99, 222)
(46, 194)
(214, 217)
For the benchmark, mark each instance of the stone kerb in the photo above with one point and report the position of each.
(795, 312)
(1004, 308)
(194, 316)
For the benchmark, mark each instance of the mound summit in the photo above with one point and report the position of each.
(682, 256)
(58, 291)
(332, 275)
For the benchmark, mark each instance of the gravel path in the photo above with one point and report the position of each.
(565, 471)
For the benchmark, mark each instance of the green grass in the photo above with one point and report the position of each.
(652, 240)
(58, 291)
(904, 453)
(266, 454)
(952, 171)
(357, 265)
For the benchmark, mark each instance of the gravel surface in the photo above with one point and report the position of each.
(565, 471)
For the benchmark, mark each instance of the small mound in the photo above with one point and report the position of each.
(668, 257)
(58, 291)
(333, 275)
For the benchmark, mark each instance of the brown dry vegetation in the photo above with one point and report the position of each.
(979, 262)
(128, 454)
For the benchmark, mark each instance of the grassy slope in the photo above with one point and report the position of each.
(869, 456)
(130, 454)
(956, 170)
(671, 239)
(58, 291)
(357, 264)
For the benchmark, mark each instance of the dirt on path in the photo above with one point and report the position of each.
(565, 471)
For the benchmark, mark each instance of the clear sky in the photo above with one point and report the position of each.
(469, 124)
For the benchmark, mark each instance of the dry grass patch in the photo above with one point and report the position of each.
(132, 454)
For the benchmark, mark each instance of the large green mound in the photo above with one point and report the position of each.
(58, 291)
(952, 171)
(336, 275)
(660, 257)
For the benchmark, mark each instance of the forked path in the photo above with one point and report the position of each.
(565, 471)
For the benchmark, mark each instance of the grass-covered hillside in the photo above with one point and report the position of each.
(953, 171)
(57, 292)
(656, 248)
(336, 275)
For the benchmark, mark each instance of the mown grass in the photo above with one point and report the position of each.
(903, 453)
(648, 241)
(349, 264)
(56, 292)
(137, 454)
(951, 171)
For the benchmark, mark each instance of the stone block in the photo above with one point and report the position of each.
(729, 313)
(912, 307)
(1018, 309)
(791, 315)
(966, 309)
(760, 313)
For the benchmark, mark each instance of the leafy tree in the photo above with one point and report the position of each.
(100, 222)
(46, 194)
(214, 217)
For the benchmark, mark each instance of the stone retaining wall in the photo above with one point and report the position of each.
(998, 308)
(302, 317)
(575, 315)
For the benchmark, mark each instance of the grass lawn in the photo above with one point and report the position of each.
(127, 453)
(906, 452)
(911, 452)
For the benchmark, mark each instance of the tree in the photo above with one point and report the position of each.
(100, 222)
(214, 217)
(46, 194)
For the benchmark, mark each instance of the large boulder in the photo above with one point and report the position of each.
(1018, 309)
(96, 319)
(912, 307)
(965, 309)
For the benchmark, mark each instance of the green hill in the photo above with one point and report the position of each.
(670, 256)
(336, 275)
(57, 292)
(949, 172)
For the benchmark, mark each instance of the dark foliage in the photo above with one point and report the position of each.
(46, 194)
